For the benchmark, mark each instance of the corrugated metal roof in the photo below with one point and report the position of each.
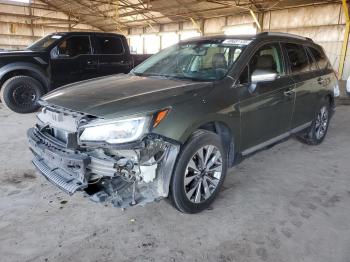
(118, 15)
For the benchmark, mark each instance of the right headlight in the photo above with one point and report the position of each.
(116, 131)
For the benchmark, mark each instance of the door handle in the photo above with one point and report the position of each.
(289, 92)
(91, 62)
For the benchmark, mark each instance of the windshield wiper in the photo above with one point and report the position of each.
(149, 75)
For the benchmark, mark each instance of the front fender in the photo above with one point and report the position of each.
(39, 73)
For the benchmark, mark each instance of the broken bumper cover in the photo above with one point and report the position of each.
(64, 168)
(74, 170)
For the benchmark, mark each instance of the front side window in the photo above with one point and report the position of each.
(267, 60)
(111, 45)
(74, 46)
(298, 58)
(203, 60)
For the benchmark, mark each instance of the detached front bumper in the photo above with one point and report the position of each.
(64, 168)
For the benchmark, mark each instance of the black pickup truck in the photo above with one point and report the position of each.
(59, 59)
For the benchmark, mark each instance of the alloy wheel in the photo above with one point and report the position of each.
(203, 174)
(321, 123)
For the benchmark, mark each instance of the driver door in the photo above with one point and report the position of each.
(72, 61)
(266, 107)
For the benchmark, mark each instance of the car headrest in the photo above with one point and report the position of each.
(265, 62)
(219, 61)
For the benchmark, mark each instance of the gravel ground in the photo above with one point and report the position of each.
(287, 203)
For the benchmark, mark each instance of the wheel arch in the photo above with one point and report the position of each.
(226, 135)
(26, 69)
(331, 100)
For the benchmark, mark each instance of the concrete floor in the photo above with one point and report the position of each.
(287, 203)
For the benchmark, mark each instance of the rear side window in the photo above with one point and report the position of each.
(110, 45)
(298, 58)
(313, 64)
(320, 58)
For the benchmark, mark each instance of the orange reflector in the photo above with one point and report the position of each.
(159, 117)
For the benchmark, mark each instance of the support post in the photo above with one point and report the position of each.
(31, 20)
(255, 19)
(346, 38)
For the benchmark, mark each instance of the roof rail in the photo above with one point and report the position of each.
(286, 35)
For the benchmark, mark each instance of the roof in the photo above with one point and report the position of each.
(86, 33)
(123, 14)
(262, 35)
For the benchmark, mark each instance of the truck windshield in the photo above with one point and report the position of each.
(205, 60)
(44, 42)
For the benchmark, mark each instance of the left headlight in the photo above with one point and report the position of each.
(118, 131)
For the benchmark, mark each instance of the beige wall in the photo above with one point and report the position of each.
(20, 26)
(324, 23)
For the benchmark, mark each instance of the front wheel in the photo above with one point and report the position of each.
(319, 127)
(21, 94)
(199, 173)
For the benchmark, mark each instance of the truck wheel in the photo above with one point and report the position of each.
(199, 172)
(21, 93)
(315, 134)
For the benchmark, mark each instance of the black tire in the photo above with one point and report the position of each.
(21, 93)
(200, 140)
(312, 135)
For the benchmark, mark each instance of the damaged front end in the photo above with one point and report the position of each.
(125, 174)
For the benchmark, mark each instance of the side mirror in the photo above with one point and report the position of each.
(259, 76)
(55, 53)
(263, 76)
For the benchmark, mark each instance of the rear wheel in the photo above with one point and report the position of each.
(319, 127)
(21, 93)
(199, 173)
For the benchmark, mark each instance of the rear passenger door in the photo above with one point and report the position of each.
(305, 73)
(325, 73)
(113, 55)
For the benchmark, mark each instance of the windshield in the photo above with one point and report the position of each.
(202, 60)
(43, 43)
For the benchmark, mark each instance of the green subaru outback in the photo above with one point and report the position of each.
(175, 124)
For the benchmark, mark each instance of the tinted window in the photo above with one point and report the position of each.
(298, 58)
(320, 58)
(75, 45)
(313, 65)
(110, 45)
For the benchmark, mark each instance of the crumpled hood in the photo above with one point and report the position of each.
(120, 95)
